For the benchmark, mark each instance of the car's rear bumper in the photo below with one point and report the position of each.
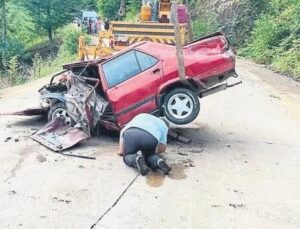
(216, 84)
(214, 80)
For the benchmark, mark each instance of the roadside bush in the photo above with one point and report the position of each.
(108, 8)
(275, 39)
(13, 71)
(234, 17)
(289, 62)
(12, 75)
(133, 9)
(37, 64)
(204, 26)
(8, 50)
(70, 43)
(52, 64)
(18, 72)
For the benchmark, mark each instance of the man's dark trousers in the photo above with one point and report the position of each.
(135, 140)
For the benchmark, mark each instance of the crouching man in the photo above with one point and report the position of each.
(148, 134)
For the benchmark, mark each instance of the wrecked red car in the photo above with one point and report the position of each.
(143, 78)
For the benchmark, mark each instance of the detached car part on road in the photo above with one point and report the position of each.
(143, 78)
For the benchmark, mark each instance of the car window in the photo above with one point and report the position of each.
(145, 60)
(121, 69)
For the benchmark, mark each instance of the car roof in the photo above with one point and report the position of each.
(152, 48)
(157, 49)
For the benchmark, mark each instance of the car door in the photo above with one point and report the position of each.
(132, 80)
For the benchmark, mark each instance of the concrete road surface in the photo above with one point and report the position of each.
(240, 171)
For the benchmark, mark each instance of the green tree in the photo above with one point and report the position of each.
(3, 21)
(275, 39)
(49, 15)
(21, 28)
(88, 4)
(133, 8)
(134, 5)
(109, 8)
(3, 32)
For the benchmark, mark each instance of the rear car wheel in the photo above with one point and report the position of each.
(181, 106)
(59, 110)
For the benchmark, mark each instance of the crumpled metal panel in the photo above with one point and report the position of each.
(84, 104)
(57, 96)
(57, 136)
(28, 112)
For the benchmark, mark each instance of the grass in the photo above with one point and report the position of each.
(40, 68)
(46, 57)
(56, 64)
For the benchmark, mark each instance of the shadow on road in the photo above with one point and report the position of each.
(36, 121)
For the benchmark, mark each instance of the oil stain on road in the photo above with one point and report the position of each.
(156, 179)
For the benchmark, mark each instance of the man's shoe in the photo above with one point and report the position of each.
(162, 165)
(141, 165)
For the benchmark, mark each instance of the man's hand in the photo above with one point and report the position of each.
(161, 148)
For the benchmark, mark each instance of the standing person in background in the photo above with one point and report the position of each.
(90, 26)
(106, 24)
(84, 25)
(148, 134)
(98, 25)
(102, 25)
(94, 27)
(154, 10)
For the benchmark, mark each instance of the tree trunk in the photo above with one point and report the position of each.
(3, 32)
(3, 21)
(50, 34)
(49, 29)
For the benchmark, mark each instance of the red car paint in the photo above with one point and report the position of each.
(205, 58)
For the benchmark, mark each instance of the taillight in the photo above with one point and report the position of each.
(225, 43)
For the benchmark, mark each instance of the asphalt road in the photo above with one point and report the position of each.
(240, 171)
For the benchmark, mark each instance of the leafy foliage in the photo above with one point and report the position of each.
(109, 8)
(50, 14)
(202, 27)
(87, 4)
(203, 17)
(70, 44)
(26, 36)
(21, 26)
(239, 19)
(275, 39)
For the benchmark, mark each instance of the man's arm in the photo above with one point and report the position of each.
(161, 148)
(121, 147)
(162, 144)
(121, 144)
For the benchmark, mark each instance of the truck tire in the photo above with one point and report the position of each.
(59, 110)
(181, 106)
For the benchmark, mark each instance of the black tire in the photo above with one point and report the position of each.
(182, 114)
(60, 110)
